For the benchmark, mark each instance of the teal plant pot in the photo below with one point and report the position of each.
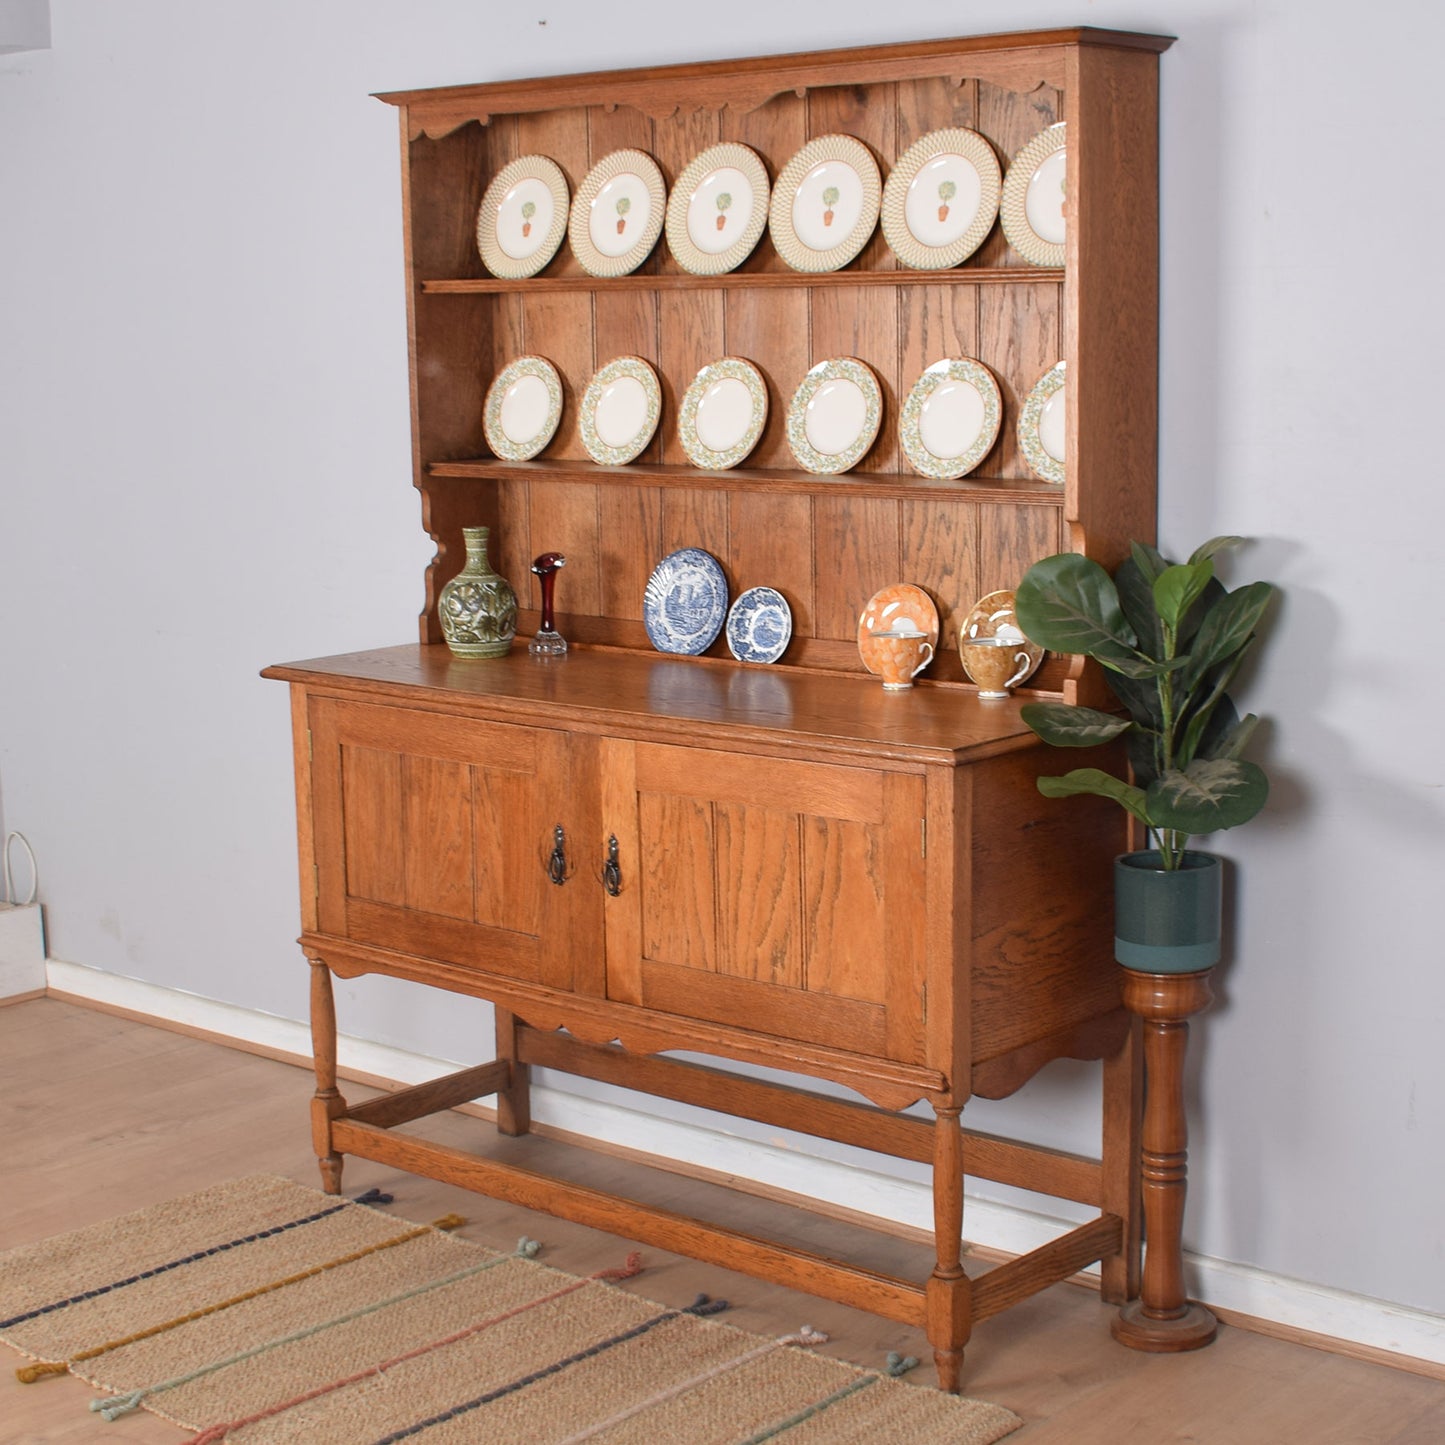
(1167, 921)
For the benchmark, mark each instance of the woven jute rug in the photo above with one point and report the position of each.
(260, 1312)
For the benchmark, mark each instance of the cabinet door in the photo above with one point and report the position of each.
(433, 835)
(771, 895)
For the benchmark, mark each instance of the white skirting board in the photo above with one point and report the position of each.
(1296, 1304)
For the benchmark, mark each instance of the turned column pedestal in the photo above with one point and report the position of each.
(1162, 1318)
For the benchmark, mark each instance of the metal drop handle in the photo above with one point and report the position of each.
(557, 863)
(611, 871)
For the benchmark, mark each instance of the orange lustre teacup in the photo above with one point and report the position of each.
(995, 663)
(900, 655)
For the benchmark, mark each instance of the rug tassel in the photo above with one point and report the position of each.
(449, 1221)
(631, 1266)
(529, 1248)
(28, 1374)
(121, 1405)
(899, 1364)
(373, 1196)
(807, 1337)
(702, 1305)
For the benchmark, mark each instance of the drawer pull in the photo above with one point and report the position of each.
(557, 863)
(611, 872)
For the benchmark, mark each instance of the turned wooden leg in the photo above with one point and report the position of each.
(1123, 1113)
(327, 1103)
(514, 1099)
(1162, 1318)
(948, 1304)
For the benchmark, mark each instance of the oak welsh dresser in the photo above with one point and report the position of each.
(809, 874)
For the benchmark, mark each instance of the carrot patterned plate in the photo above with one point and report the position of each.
(901, 606)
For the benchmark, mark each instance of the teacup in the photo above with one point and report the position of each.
(995, 663)
(900, 655)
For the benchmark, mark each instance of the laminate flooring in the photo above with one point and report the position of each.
(100, 1115)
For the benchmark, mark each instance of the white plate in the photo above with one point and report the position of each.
(523, 408)
(723, 413)
(1034, 195)
(951, 418)
(941, 199)
(617, 213)
(1041, 426)
(825, 204)
(620, 411)
(834, 415)
(685, 602)
(717, 209)
(523, 217)
(760, 625)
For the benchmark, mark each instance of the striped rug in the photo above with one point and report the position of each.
(259, 1312)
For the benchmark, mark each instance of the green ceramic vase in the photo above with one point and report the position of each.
(1167, 921)
(478, 608)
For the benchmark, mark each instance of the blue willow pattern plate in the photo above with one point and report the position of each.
(760, 625)
(685, 602)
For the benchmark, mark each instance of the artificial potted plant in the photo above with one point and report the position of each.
(1171, 638)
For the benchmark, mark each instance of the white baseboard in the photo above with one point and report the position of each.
(1373, 1324)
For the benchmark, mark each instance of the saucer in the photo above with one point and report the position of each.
(898, 606)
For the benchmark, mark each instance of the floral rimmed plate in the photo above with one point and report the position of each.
(620, 411)
(717, 209)
(896, 608)
(1032, 209)
(685, 602)
(941, 199)
(723, 413)
(950, 418)
(825, 204)
(523, 408)
(523, 217)
(760, 625)
(834, 415)
(1041, 426)
(993, 616)
(617, 213)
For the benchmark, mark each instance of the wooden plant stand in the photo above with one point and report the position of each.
(1163, 1319)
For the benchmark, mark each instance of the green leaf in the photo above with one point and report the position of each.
(1138, 667)
(1232, 740)
(1208, 795)
(1177, 589)
(1072, 727)
(1213, 547)
(1134, 579)
(1226, 628)
(1140, 696)
(1148, 560)
(1143, 746)
(1068, 603)
(1099, 784)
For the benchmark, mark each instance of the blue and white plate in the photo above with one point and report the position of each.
(760, 625)
(686, 602)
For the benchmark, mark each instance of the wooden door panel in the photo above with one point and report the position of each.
(758, 861)
(759, 894)
(436, 835)
(432, 835)
(373, 851)
(844, 881)
(679, 911)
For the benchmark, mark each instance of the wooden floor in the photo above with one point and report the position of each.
(100, 1115)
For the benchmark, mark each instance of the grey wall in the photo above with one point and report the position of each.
(204, 468)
